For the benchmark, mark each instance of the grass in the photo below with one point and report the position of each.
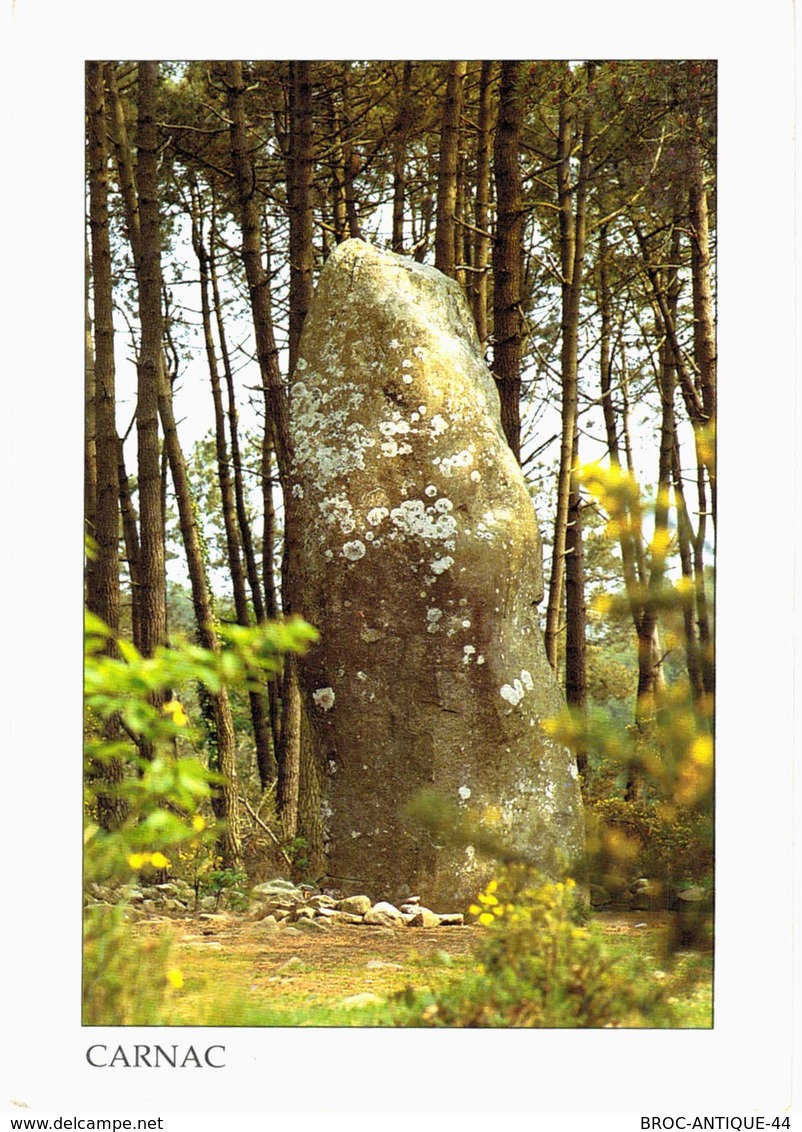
(239, 979)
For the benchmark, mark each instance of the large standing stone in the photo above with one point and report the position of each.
(420, 563)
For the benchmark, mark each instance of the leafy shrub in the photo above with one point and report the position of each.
(539, 966)
(665, 842)
(124, 980)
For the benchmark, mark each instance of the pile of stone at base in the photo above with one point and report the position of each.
(280, 902)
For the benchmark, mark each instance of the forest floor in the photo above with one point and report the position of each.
(237, 974)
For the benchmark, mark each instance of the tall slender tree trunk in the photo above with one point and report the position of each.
(144, 233)
(217, 710)
(90, 430)
(276, 407)
(350, 159)
(103, 596)
(400, 133)
(572, 207)
(131, 541)
(256, 700)
(444, 239)
(481, 235)
(508, 253)
(704, 332)
(299, 191)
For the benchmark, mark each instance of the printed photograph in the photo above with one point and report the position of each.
(400, 544)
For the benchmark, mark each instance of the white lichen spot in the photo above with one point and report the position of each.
(353, 551)
(467, 653)
(324, 698)
(433, 617)
(355, 833)
(438, 425)
(526, 679)
(361, 675)
(459, 460)
(297, 491)
(389, 428)
(407, 379)
(376, 514)
(442, 564)
(430, 490)
(413, 518)
(393, 343)
(337, 509)
(389, 448)
(512, 693)
(419, 351)
(414, 417)
(422, 410)
(475, 476)
(443, 505)
(464, 793)
(466, 624)
(301, 365)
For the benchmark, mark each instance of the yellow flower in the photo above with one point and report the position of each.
(159, 861)
(198, 823)
(176, 709)
(474, 909)
(175, 978)
(137, 860)
(486, 919)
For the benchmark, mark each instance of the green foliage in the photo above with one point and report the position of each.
(672, 845)
(539, 966)
(164, 794)
(126, 982)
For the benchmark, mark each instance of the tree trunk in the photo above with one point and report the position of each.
(444, 239)
(299, 189)
(572, 205)
(257, 702)
(144, 234)
(276, 402)
(508, 254)
(481, 235)
(103, 589)
(218, 715)
(704, 333)
(400, 132)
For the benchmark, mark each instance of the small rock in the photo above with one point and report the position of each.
(386, 910)
(364, 999)
(381, 965)
(424, 918)
(270, 924)
(293, 964)
(332, 916)
(306, 924)
(355, 905)
(322, 901)
(382, 919)
(694, 894)
(292, 931)
(451, 919)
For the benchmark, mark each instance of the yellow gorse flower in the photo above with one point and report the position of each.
(176, 709)
(175, 978)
